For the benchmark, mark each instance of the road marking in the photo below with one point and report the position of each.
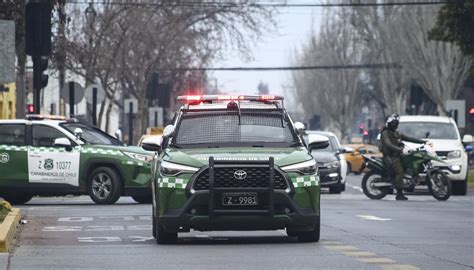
(376, 260)
(342, 248)
(75, 219)
(141, 238)
(97, 228)
(99, 239)
(373, 218)
(355, 187)
(399, 267)
(359, 253)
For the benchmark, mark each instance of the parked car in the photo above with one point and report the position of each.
(443, 133)
(52, 156)
(331, 163)
(354, 154)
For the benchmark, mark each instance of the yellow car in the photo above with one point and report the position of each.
(354, 155)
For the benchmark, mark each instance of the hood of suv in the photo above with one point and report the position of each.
(324, 156)
(198, 157)
(441, 145)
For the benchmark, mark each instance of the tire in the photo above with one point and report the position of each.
(143, 199)
(343, 187)
(349, 168)
(442, 189)
(105, 186)
(163, 237)
(368, 190)
(311, 236)
(459, 187)
(17, 199)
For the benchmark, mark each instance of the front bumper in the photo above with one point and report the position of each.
(329, 177)
(450, 167)
(196, 214)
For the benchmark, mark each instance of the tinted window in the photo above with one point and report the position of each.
(443, 131)
(12, 134)
(45, 136)
(230, 128)
(91, 135)
(361, 150)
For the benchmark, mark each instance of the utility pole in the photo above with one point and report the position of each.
(61, 54)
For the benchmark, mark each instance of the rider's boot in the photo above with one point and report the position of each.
(400, 196)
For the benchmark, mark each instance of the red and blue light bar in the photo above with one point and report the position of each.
(192, 99)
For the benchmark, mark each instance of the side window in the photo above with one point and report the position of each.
(45, 136)
(362, 150)
(12, 134)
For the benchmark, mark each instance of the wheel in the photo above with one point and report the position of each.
(153, 226)
(439, 186)
(349, 168)
(143, 199)
(105, 186)
(343, 187)
(368, 186)
(164, 237)
(310, 236)
(17, 199)
(459, 187)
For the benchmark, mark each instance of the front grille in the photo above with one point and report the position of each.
(442, 153)
(257, 177)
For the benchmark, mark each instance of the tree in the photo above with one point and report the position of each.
(331, 93)
(455, 23)
(440, 68)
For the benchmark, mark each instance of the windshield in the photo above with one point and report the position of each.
(216, 129)
(91, 135)
(442, 131)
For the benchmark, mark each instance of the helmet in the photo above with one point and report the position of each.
(392, 121)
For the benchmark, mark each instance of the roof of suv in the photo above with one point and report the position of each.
(425, 118)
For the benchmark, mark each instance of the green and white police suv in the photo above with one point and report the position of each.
(235, 163)
(51, 156)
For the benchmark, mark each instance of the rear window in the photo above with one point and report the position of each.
(12, 134)
(440, 131)
(228, 128)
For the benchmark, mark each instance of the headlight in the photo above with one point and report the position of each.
(173, 169)
(140, 157)
(454, 154)
(333, 164)
(307, 167)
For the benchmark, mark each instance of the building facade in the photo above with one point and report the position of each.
(8, 101)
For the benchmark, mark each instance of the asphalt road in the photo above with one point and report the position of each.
(356, 233)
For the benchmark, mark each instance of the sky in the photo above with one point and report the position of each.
(294, 28)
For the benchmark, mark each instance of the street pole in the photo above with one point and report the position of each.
(94, 106)
(71, 99)
(36, 87)
(130, 124)
(156, 118)
(61, 56)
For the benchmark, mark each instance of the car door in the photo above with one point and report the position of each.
(13, 154)
(50, 164)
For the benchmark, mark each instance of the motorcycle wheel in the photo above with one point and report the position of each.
(369, 190)
(439, 186)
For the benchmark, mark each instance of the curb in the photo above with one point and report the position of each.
(8, 229)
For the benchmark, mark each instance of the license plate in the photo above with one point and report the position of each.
(237, 198)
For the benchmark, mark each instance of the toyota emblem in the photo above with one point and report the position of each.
(240, 174)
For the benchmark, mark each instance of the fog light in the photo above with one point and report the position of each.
(287, 190)
(287, 210)
(333, 175)
(192, 191)
(455, 168)
(193, 211)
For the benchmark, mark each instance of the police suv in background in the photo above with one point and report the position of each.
(52, 156)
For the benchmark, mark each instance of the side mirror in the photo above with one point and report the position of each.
(300, 128)
(379, 137)
(118, 134)
(316, 141)
(152, 144)
(63, 142)
(168, 131)
(348, 150)
(467, 139)
(78, 132)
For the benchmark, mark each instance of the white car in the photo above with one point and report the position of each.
(443, 133)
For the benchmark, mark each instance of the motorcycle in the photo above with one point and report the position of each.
(417, 166)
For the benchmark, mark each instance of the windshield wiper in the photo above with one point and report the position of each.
(257, 145)
(213, 146)
(295, 144)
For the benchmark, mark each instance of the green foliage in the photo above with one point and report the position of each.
(455, 23)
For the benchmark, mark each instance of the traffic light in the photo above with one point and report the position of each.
(38, 28)
(40, 64)
(471, 115)
(30, 108)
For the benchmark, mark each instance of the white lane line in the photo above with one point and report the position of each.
(373, 218)
(355, 187)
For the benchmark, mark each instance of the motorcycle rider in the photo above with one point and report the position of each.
(392, 148)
